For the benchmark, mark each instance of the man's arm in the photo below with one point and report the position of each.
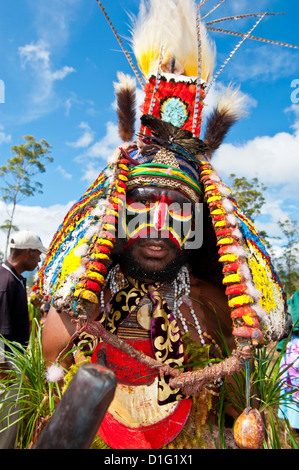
(57, 332)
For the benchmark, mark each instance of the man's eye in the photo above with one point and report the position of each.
(145, 202)
(138, 205)
(181, 210)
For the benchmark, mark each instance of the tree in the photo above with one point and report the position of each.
(248, 194)
(27, 161)
(250, 198)
(287, 264)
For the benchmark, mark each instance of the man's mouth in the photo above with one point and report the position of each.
(159, 242)
(153, 249)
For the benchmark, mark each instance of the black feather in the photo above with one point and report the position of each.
(173, 137)
(218, 125)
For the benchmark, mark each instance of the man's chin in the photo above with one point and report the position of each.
(152, 268)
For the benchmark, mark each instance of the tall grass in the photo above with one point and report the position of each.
(35, 395)
(27, 386)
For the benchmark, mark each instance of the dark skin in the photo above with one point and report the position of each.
(152, 255)
(209, 299)
(22, 260)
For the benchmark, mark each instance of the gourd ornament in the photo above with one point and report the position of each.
(249, 432)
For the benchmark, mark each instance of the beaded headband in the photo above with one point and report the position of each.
(163, 175)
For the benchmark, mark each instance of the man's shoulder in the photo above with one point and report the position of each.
(6, 278)
(211, 291)
(203, 284)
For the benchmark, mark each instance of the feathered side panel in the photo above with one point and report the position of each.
(77, 261)
(65, 260)
(255, 294)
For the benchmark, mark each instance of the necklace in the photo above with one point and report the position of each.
(180, 287)
(116, 280)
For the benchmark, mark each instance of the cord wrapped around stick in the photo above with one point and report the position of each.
(191, 383)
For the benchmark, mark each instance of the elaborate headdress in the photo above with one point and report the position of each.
(176, 59)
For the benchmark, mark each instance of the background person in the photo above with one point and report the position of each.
(25, 251)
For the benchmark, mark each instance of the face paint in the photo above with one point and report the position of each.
(157, 213)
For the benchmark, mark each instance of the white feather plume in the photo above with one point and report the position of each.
(230, 101)
(171, 24)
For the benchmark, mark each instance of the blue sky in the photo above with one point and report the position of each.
(58, 63)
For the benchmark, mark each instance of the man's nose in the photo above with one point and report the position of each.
(160, 215)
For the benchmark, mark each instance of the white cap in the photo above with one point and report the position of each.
(26, 239)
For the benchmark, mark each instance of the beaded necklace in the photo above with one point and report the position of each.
(180, 287)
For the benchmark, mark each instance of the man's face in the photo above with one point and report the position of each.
(32, 259)
(157, 222)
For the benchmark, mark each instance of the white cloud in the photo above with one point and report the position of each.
(105, 146)
(4, 138)
(85, 139)
(37, 57)
(62, 73)
(274, 160)
(42, 220)
(267, 64)
(52, 20)
(63, 172)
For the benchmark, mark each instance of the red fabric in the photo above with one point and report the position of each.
(129, 371)
(118, 436)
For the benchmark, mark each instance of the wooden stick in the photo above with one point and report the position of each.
(97, 329)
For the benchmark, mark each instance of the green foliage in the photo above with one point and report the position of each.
(268, 379)
(19, 170)
(248, 194)
(18, 173)
(287, 264)
(28, 386)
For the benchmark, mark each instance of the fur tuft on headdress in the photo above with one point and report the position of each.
(125, 91)
(226, 113)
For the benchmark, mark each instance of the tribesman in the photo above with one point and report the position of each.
(156, 265)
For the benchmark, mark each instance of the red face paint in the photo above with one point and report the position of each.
(158, 213)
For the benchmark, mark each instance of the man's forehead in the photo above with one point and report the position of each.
(156, 191)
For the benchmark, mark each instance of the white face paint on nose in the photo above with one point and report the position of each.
(160, 213)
